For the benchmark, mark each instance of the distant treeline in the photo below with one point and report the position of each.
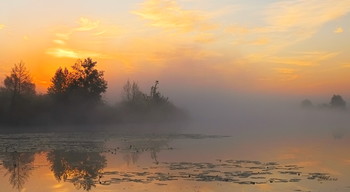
(337, 102)
(75, 98)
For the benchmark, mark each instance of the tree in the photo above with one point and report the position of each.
(83, 83)
(156, 96)
(76, 94)
(20, 91)
(338, 102)
(132, 94)
(19, 82)
(87, 81)
(59, 83)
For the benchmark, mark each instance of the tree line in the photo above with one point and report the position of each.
(337, 103)
(74, 97)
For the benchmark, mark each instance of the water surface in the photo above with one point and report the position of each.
(99, 162)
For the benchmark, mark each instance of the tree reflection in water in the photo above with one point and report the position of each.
(138, 146)
(78, 162)
(18, 166)
(80, 168)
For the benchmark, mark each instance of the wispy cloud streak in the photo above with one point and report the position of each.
(169, 14)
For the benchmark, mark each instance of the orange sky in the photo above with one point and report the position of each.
(290, 46)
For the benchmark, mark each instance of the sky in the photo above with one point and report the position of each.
(292, 47)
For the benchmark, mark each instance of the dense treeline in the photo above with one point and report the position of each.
(75, 98)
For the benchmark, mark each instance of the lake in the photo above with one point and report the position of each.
(185, 161)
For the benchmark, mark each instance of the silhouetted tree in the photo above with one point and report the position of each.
(19, 91)
(19, 82)
(77, 94)
(83, 83)
(59, 83)
(87, 81)
(156, 96)
(338, 102)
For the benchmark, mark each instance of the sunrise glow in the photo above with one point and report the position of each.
(298, 47)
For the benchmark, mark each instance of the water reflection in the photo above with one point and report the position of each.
(132, 148)
(80, 163)
(80, 168)
(18, 166)
(77, 159)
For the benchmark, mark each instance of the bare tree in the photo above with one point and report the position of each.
(19, 82)
(132, 93)
(19, 86)
(18, 166)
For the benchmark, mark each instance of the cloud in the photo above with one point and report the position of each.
(285, 70)
(2, 26)
(286, 74)
(304, 17)
(205, 38)
(237, 29)
(338, 30)
(304, 58)
(75, 54)
(169, 15)
(63, 53)
(87, 24)
(72, 42)
(261, 41)
(285, 23)
(94, 27)
(345, 66)
(59, 42)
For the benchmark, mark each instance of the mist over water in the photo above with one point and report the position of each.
(230, 140)
(271, 116)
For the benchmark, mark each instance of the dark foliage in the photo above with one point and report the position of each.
(59, 84)
(77, 95)
(84, 82)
